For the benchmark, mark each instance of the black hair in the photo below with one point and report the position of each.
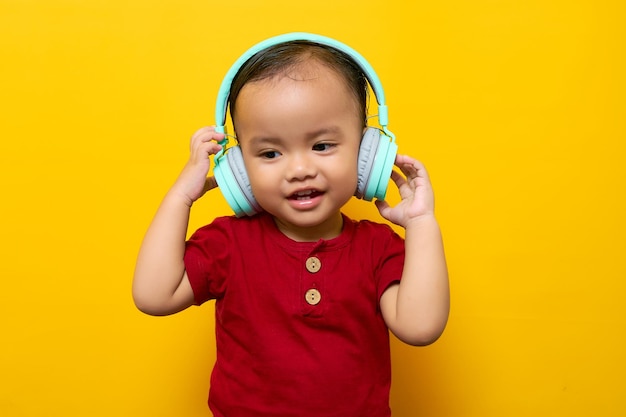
(278, 59)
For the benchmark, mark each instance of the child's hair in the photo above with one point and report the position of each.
(278, 59)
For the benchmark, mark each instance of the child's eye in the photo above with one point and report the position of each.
(269, 154)
(321, 147)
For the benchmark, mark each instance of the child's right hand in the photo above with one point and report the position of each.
(193, 183)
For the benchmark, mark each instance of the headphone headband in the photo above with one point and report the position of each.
(221, 105)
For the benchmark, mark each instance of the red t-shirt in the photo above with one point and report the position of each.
(299, 330)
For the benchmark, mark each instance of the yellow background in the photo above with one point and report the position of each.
(516, 107)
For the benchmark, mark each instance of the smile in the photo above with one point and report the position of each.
(304, 195)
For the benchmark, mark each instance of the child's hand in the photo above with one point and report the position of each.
(193, 182)
(415, 190)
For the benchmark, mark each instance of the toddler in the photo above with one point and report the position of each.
(305, 297)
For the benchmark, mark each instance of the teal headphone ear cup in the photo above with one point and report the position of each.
(367, 151)
(376, 158)
(385, 159)
(232, 179)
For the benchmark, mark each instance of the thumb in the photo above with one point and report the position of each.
(383, 208)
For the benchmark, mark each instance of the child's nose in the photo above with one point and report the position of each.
(300, 167)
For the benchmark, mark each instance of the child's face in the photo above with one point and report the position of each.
(300, 136)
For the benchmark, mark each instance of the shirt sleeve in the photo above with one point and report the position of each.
(207, 259)
(391, 260)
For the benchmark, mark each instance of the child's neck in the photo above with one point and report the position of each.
(329, 229)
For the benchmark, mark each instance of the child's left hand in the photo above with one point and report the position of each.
(415, 190)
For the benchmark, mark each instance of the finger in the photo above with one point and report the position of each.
(383, 208)
(210, 183)
(205, 147)
(402, 160)
(205, 134)
(405, 159)
(211, 148)
(402, 184)
(397, 178)
(409, 169)
(198, 134)
(202, 155)
(403, 180)
(412, 168)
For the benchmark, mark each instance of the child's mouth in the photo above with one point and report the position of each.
(304, 195)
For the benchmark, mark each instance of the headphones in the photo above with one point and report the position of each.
(377, 151)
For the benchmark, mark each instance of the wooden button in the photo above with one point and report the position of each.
(313, 296)
(313, 264)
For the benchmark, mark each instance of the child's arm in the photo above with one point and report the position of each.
(416, 309)
(160, 284)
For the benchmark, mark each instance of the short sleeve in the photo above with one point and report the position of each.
(389, 247)
(207, 260)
